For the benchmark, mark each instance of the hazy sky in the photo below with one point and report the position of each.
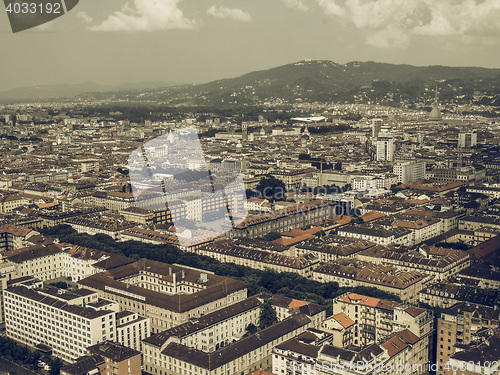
(117, 41)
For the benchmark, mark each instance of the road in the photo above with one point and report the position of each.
(8, 366)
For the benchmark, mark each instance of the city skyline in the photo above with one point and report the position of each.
(193, 42)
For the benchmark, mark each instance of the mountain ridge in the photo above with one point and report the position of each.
(323, 81)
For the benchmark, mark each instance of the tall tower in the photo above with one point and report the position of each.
(435, 114)
(385, 145)
(244, 131)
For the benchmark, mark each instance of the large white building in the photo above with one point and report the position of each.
(467, 139)
(410, 171)
(385, 145)
(57, 319)
(68, 322)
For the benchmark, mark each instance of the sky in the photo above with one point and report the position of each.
(195, 41)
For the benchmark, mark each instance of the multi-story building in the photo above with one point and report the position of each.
(301, 215)
(239, 357)
(58, 319)
(42, 262)
(385, 145)
(94, 225)
(409, 171)
(468, 175)
(490, 191)
(467, 139)
(438, 262)
(167, 294)
(375, 318)
(378, 234)
(9, 203)
(477, 358)
(422, 229)
(311, 354)
(118, 359)
(478, 222)
(230, 251)
(7, 273)
(131, 329)
(351, 273)
(445, 294)
(457, 325)
(13, 237)
(332, 247)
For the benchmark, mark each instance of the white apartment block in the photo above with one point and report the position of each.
(131, 329)
(410, 171)
(35, 315)
(385, 147)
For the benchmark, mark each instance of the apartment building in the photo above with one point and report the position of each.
(167, 294)
(311, 354)
(58, 319)
(478, 357)
(9, 203)
(7, 273)
(118, 359)
(422, 229)
(477, 222)
(254, 226)
(42, 262)
(98, 224)
(375, 318)
(239, 357)
(491, 192)
(146, 217)
(446, 293)
(438, 262)
(13, 237)
(332, 247)
(78, 261)
(352, 272)
(378, 234)
(457, 326)
(228, 251)
(341, 327)
(131, 329)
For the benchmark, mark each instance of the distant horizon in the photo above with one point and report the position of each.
(171, 84)
(116, 41)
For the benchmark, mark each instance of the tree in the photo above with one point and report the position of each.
(267, 315)
(55, 366)
(271, 188)
(251, 328)
(338, 166)
(271, 236)
(250, 193)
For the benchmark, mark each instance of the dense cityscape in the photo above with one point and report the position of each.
(283, 238)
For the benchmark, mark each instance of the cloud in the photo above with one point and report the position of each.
(296, 4)
(232, 13)
(85, 17)
(392, 23)
(146, 15)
